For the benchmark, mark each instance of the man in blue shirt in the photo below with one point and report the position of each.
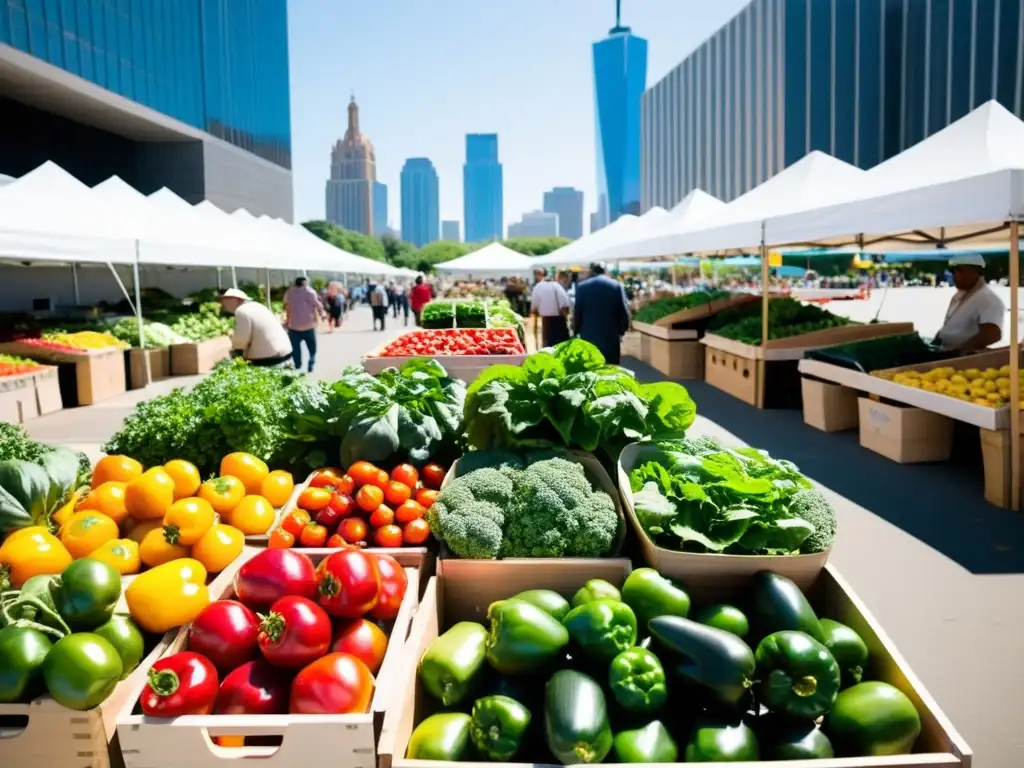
(601, 313)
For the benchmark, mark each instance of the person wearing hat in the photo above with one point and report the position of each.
(550, 303)
(259, 336)
(601, 313)
(974, 319)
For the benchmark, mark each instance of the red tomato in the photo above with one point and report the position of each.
(255, 688)
(409, 511)
(295, 521)
(348, 583)
(281, 539)
(225, 633)
(405, 474)
(363, 473)
(369, 497)
(296, 632)
(328, 517)
(433, 475)
(353, 529)
(364, 640)
(396, 494)
(184, 683)
(346, 485)
(325, 478)
(426, 498)
(273, 573)
(343, 504)
(388, 536)
(415, 532)
(393, 583)
(336, 541)
(336, 684)
(382, 516)
(382, 480)
(313, 535)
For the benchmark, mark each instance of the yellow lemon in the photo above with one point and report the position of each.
(958, 379)
(972, 373)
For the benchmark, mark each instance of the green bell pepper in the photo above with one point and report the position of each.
(452, 664)
(86, 593)
(650, 594)
(637, 680)
(650, 744)
(721, 741)
(725, 617)
(22, 653)
(499, 725)
(595, 589)
(799, 676)
(602, 629)
(785, 739)
(849, 650)
(444, 736)
(523, 638)
(547, 600)
(81, 670)
(872, 719)
(121, 632)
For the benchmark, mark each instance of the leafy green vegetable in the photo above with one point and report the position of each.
(878, 354)
(208, 323)
(469, 313)
(31, 492)
(660, 308)
(156, 334)
(16, 444)
(786, 317)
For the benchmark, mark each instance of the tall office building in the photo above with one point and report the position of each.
(380, 208)
(567, 203)
(350, 189)
(187, 94)
(535, 224)
(861, 80)
(482, 188)
(421, 209)
(620, 76)
(450, 231)
(595, 221)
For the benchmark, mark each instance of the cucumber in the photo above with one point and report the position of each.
(779, 604)
(576, 718)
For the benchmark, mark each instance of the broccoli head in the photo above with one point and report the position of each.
(810, 505)
(487, 484)
(466, 515)
(502, 460)
(556, 513)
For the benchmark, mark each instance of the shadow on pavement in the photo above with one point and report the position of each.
(942, 505)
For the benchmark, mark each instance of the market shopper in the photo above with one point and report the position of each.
(378, 304)
(550, 303)
(974, 319)
(259, 336)
(302, 312)
(601, 313)
(419, 297)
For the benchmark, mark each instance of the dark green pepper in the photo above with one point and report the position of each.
(849, 650)
(799, 677)
(444, 736)
(595, 589)
(712, 658)
(547, 600)
(499, 725)
(784, 739)
(451, 665)
(121, 632)
(650, 744)
(22, 653)
(637, 680)
(86, 593)
(650, 594)
(523, 638)
(602, 629)
(725, 617)
(714, 740)
(779, 604)
(81, 670)
(872, 719)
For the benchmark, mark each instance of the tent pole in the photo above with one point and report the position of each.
(74, 283)
(268, 287)
(764, 289)
(674, 258)
(234, 278)
(138, 314)
(220, 287)
(1014, 366)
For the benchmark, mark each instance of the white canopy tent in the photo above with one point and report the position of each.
(577, 253)
(493, 259)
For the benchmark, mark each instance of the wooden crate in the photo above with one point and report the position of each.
(18, 399)
(311, 741)
(48, 398)
(447, 600)
(829, 407)
(904, 434)
(96, 375)
(710, 571)
(713, 307)
(200, 357)
(159, 366)
(463, 367)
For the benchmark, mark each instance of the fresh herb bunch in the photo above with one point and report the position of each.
(208, 323)
(656, 310)
(16, 444)
(786, 317)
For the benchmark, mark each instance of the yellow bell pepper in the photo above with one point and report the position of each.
(168, 596)
(123, 554)
(31, 552)
(61, 515)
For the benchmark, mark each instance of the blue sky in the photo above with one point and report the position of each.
(426, 72)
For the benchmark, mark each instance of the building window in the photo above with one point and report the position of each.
(915, 80)
(984, 42)
(844, 25)
(1008, 53)
(938, 66)
(795, 46)
(821, 76)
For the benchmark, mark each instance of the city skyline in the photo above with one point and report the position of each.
(568, 204)
(420, 212)
(483, 188)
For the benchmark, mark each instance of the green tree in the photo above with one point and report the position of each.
(398, 252)
(535, 246)
(442, 250)
(348, 240)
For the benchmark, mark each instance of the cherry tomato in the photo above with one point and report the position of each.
(296, 632)
(415, 532)
(348, 583)
(328, 517)
(397, 493)
(409, 511)
(281, 539)
(381, 480)
(388, 536)
(346, 485)
(393, 583)
(336, 541)
(314, 499)
(313, 535)
(225, 632)
(382, 515)
(363, 473)
(405, 474)
(295, 521)
(426, 498)
(353, 529)
(369, 497)
(325, 478)
(336, 684)
(364, 640)
(343, 504)
(433, 475)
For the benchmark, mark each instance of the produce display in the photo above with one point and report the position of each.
(155, 334)
(470, 314)
(455, 341)
(208, 323)
(699, 496)
(654, 311)
(988, 386)
(504, 505)
(85, 340)
(364, 506)
(786, 317)
(878, 354)
(293, 638)
(627, 676)
(12, 365)
(49, 345)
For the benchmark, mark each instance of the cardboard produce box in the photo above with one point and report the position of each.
(159, 365)
(829, 407)
(904, 434)
(200, 357)
(674, 353)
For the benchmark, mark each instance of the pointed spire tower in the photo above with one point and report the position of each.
(353, 173)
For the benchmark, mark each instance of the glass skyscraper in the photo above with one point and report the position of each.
(210, 69)
(482, 189)
(620, 76)
(421, 210)
(861, 80)
(380, 208)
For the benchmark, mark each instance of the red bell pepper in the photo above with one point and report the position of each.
(184, 683)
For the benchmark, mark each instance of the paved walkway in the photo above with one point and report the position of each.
(941, 569)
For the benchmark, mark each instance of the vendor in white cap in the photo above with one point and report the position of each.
(259, 336)
(975, 316)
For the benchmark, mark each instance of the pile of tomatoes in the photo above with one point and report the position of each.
(455, 341)
(296, 638)
(365, 506)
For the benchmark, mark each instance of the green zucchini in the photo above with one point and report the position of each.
(576, 718)
(779, 604)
